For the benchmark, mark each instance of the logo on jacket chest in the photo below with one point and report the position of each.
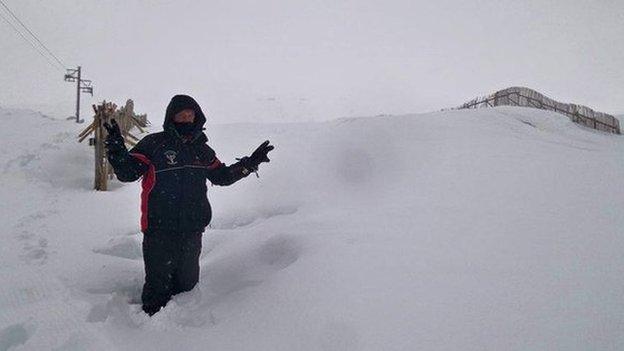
(171, 157)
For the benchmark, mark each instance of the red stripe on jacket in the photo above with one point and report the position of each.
(216, 163)
(147, 184)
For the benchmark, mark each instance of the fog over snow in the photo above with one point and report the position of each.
(381, 223)
(315, 60)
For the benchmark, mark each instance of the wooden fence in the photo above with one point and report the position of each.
(126, 119)
(530, 98)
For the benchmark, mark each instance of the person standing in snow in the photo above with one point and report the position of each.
(175, 211)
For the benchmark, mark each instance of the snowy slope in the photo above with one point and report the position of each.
(479, 229)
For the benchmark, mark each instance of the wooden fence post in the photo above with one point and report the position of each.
(126, 120)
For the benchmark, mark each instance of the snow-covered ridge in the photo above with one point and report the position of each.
(479, 229)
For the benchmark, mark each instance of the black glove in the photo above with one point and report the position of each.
(114, 140)
(260, 154)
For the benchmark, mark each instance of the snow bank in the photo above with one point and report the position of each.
(477, 229)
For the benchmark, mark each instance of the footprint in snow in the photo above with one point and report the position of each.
(13, 336)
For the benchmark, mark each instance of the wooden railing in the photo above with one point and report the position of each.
(126, 119)
(576, 116)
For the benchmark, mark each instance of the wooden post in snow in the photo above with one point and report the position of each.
(126, 119)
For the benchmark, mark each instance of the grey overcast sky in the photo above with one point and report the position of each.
(248, 61)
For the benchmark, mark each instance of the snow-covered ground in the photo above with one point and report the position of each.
(493, 229)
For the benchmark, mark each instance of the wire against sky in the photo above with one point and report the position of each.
(47, 58)
(62, 65)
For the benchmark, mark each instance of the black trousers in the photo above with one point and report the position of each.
(171, 266)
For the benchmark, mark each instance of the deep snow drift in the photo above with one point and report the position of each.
(462, 230)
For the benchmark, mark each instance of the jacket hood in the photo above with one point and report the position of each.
(179, 103)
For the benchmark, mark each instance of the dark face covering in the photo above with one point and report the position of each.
(184, 128)
(177, 104)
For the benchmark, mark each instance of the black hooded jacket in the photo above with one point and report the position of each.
(174, 168)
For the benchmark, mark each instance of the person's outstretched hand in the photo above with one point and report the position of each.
(114, 140)
(260, 154)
